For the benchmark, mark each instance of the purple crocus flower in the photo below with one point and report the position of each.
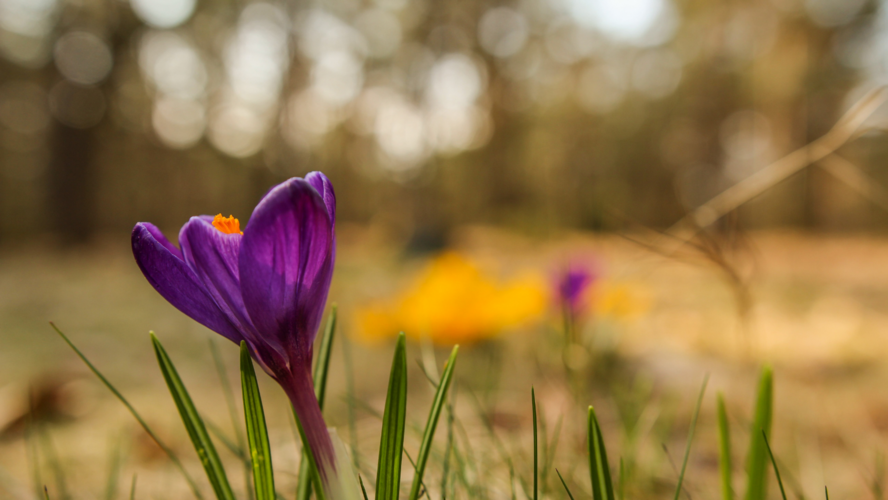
(573, 284)
(266, 286)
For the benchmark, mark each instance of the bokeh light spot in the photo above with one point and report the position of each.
(83, 57)
(601, 89)
(178, 123)
(656, 73)
(173, 65)
(163, 13)
(237, 130)
(502, 31)
(454, 81)
(381, 30)
(622, 20)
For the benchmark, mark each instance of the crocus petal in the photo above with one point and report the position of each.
(324, 188)
(212, 255)
(160, 238)
(176, 282)
(286, 265)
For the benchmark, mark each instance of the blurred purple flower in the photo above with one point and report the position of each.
(573, 285)
(266, 285)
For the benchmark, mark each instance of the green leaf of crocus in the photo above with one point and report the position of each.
(391, 446)
(194, 425)
(599, 469)
(432, 423)
(257, 433)
(757, 460)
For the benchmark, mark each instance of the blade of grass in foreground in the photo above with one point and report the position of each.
(434, 415)
(774, 463)
(391, 446)
(239, 450)
(304, 484)
(448, 448)
(757, 458)
(166, 449)
(204, 447)
(684, 463)
(257, 434)
(552, 448)
(114, 472)
(364, 490)
(724, 449)
(602, 488)
(55, 465)
(569, 494)
(350, 399)
(33, 450)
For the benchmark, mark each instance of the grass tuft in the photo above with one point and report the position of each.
(391, 446)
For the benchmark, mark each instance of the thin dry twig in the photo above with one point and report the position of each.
(845, 129)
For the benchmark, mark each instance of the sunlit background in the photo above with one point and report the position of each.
(480, 150)
(534, 114)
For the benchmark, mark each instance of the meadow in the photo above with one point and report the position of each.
(656, 326)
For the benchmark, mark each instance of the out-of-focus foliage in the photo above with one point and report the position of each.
(531, 113)
(453, 301)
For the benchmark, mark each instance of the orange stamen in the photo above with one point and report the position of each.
(228, 225)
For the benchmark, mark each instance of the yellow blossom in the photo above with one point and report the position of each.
(452, 301)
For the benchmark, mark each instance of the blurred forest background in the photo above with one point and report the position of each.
(532, 114)
(441, 122)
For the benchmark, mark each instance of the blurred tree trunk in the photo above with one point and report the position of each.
(71, 182)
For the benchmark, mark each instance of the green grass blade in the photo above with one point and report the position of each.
(448, 448)
(113, 472)
(423, 491)
(569, 494)
(166, 449)
(533, 401)
(325, 349)
(197, 431)
(321, 368)
(230, 445)
(621, 484)
(553, 447)
(684, 463)
(55, 464)
(241, 445)
(363, 489)
(724, 450)
(32, 449)
(757, 458)
(774, 463)
(826, 492)
(602, 487)
(257, 433)
(434, 415)
(350, 400)
(391, 446)
(133, 488)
